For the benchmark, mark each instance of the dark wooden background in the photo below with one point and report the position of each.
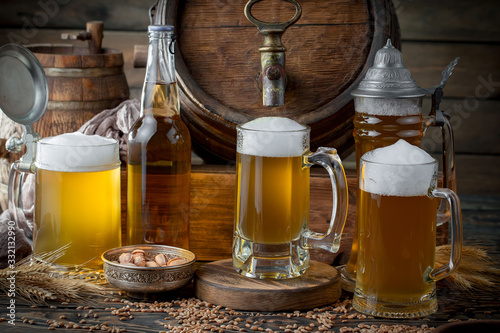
(433, 33)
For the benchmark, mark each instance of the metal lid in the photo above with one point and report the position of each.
(388, 77)
(23, 85)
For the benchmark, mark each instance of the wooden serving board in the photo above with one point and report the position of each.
(219, 283)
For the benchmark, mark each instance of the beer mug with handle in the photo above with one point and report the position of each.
(77, 197)
(271, 234)
(398, 205)
(388, 107)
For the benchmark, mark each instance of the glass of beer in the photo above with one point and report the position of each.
(77, 198)
(271, 235)
(388, 107)
(398, 207)
(380, 122)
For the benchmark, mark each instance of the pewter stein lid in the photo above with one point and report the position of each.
(388, 77)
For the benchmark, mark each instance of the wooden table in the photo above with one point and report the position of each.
(481, 217)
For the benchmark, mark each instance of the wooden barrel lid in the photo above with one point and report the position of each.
(328, 52)
(219, 283)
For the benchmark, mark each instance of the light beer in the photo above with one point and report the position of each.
(272, 198)
(379, 123)
(397, 232)
(271, 235)
(158, 171)
(397, 241)
(77, 198)
(163, 217)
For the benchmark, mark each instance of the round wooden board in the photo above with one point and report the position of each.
(219, 283)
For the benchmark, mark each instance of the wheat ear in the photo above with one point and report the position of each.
(36, 281)
(477, 270)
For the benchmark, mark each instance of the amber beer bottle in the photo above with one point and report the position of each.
(159, 154)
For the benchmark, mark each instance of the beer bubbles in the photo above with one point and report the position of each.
(72, 152)
(400, 169)
(273, 137)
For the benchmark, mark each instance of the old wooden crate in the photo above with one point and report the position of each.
(212, 212)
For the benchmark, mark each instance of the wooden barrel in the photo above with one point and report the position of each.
(328, 52)
(80, 85)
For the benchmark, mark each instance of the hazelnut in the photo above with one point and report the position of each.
(161, 259)
(151, 263)
(176, 261)
(140, 261)
(125, 258)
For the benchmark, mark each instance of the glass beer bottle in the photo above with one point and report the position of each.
(159, 154)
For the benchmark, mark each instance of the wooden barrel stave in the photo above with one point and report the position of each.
(81, 85)
(328, 52)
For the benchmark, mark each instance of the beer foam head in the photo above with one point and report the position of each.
(400, 169)
(388, 106)
(273, 137)
(72, 152)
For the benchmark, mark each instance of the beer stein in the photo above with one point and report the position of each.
(398, 207)
(271, 235)
(76, 195)
(388, 107)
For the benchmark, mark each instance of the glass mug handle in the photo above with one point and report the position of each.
(448, 151)
(15, 185)
(453, 201)
(330, 241)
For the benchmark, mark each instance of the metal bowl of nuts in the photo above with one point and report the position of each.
(144, 269)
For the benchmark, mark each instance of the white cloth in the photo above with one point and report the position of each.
(114, 123)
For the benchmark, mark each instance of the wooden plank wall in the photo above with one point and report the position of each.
(433, 33)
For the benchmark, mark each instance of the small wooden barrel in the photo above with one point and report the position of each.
(328, 52)
(80, 85)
